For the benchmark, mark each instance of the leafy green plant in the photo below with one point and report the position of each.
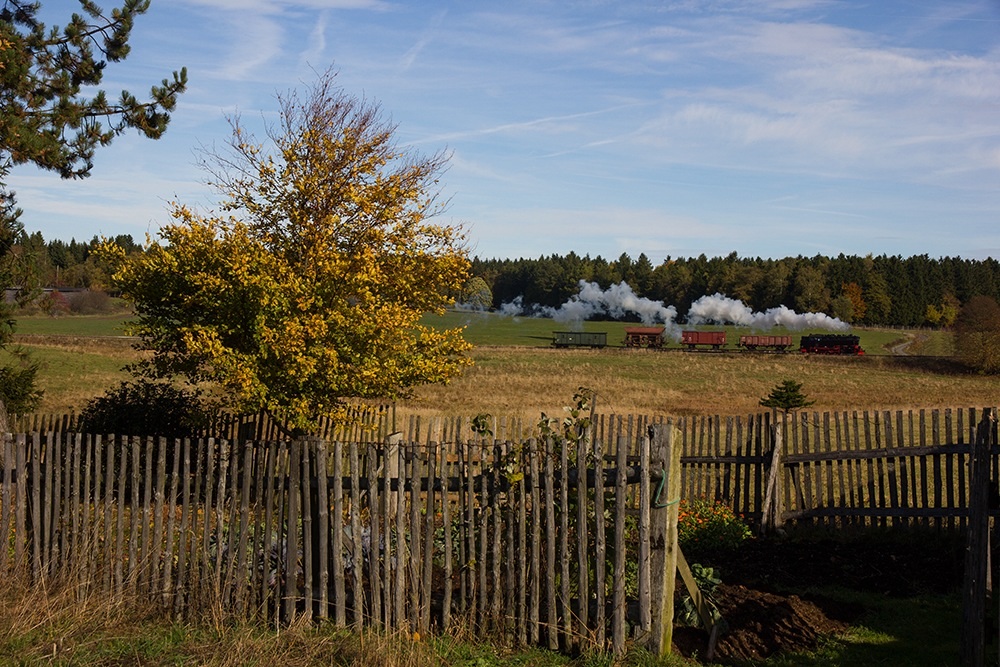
(572, 427)
(707, 527)
(707, 579)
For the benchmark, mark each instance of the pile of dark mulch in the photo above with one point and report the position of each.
(766, 597)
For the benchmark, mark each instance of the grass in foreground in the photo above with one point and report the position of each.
(917, 632)
(57, 627)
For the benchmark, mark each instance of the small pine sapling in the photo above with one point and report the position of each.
(787, 396)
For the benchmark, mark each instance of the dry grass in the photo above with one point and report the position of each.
(57, 625)
(525, 382)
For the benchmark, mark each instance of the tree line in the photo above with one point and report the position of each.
(871, 290)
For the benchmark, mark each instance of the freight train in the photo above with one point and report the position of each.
(652, 338)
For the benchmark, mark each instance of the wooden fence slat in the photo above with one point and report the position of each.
(483, 504)
(527, 456)
(925, 480)
(534, 564)
(618, 608)
(358, 598)
(167, 587)
(818, 467)
(374, 537)
(389, 460)
(145, 574)
(470, 527)
(157, 563)
(600, 545)
(291, 550)
(497, 511)
(565, 556)
(582, 535)
(645, 502)
(337, 539)
(446, 473)
(548, 493)
(309, 538)
(182, 586)
(36, 506)
(48, 526)
(428, 555)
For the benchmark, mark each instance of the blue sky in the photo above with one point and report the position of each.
(767, 128)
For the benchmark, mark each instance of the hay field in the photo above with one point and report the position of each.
(517, 374)
(526, 382)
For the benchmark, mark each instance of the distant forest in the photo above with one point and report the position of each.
(870, 290)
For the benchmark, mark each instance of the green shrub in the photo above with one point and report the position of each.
(18, 384)
(686, 613)
(706, 527)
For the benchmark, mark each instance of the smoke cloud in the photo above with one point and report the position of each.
(720, 309)
(617, 301)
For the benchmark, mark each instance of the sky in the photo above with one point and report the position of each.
(768, 128)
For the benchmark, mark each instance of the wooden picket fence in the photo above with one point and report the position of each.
(504, 537)
(540, 540)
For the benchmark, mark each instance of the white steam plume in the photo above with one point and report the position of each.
(720, 309)
(617, 301)
(512, 308)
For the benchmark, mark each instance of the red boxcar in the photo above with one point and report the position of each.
(644, 337)
(778, 343)
(714, 339)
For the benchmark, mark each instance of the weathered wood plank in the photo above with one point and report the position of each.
(534, 564)
(337, 538)
(600, 546)
(619, 602)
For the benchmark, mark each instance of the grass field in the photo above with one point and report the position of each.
(518, 373)
(491, 329)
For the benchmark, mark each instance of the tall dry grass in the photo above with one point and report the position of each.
(55, 624)
(525, 382)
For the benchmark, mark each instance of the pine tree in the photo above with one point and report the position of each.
(46, 119)
(786, 396)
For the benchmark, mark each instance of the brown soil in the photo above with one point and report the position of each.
(767, 598)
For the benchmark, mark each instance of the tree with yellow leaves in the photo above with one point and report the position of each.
(307, 289)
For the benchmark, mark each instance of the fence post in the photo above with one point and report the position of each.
(770, 515)
(665, 459)
(977, 547)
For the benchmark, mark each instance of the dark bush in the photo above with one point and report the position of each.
(145, 408)
(977, 334)
(91, 302)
